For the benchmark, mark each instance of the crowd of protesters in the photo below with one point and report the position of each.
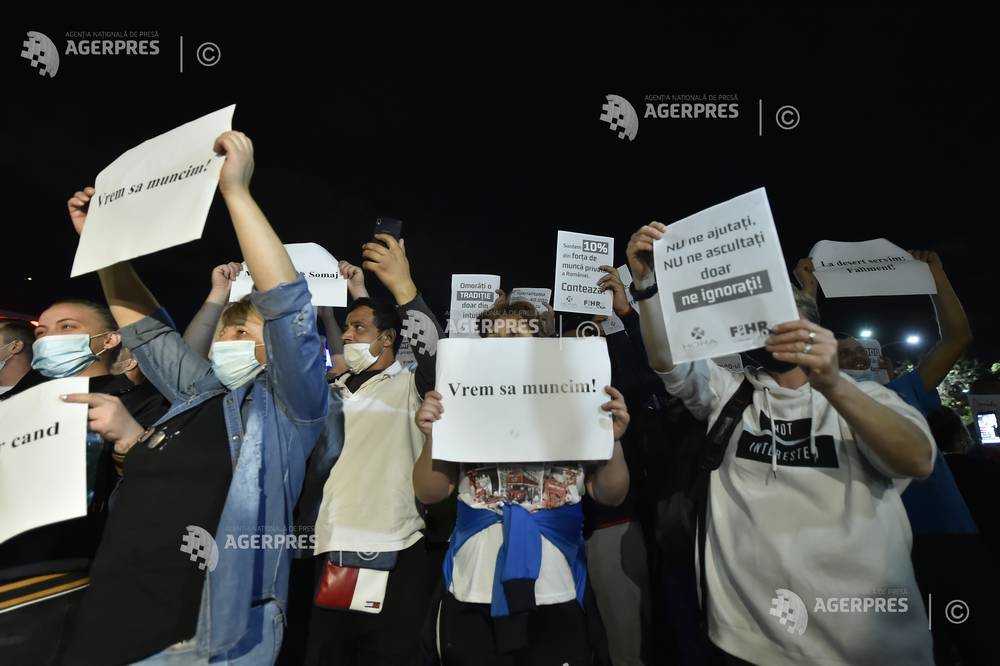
(729, 496)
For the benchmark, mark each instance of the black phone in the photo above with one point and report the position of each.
(388, 225)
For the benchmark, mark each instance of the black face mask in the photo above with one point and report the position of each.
(761, 358)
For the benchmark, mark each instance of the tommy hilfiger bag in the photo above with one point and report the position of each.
(354, 581)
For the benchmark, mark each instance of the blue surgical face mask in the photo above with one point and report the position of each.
(57, 356)
(234, 362)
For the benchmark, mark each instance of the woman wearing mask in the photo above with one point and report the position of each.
(226, 460)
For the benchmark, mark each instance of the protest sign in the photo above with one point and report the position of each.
(731, 362)
(722, 279)
(471, 295)
(43, 468)
(986, 417)
(154, 196)
(874, 349)
(523, 400)
(322, 273)
(626, 277)
(613, 324)
(537, 296)
(869, 268)
(579, 258)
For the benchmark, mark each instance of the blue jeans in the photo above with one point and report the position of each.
(264, 652)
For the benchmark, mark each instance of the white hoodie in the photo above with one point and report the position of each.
(808, 546)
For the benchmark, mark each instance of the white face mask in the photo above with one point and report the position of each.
(359, 357)
(234, 362)
(3, 361)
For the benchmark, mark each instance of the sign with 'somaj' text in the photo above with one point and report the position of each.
(320, 268)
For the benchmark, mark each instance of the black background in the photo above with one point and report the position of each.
(480, 130)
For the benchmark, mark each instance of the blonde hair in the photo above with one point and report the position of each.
(237, 313)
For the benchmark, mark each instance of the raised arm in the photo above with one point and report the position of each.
(127, 296)
(355, 279)
(640, 262)
(956, 334)
(295, 360)
(608, 482)
(899, 446)
(389, 263)
(169, 364)
(334, 334)
(201, 330)
(433, 480)
(265, 256)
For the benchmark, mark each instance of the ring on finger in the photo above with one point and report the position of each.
(812, 336)
(808, 349)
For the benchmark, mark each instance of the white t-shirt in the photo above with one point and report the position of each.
(534, 486)
(808, 562)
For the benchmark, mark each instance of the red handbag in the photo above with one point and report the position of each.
(351, 588)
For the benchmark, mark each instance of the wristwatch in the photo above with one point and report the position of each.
(641, 294)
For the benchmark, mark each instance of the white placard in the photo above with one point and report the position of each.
(154, 196)
(731, 362)
(985, 417)
(471, 295)
(43, 466)
(722, 279)
(626, 277)
(523, 400)
(579, 258)
(540, 297)
(869, 268)
(874, 349)
(613, 324)
(322, 273)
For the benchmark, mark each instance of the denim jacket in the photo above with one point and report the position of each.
(273, 423)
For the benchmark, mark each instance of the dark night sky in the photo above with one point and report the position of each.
(483, 136)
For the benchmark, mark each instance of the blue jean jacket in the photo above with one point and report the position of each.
(273, 423)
